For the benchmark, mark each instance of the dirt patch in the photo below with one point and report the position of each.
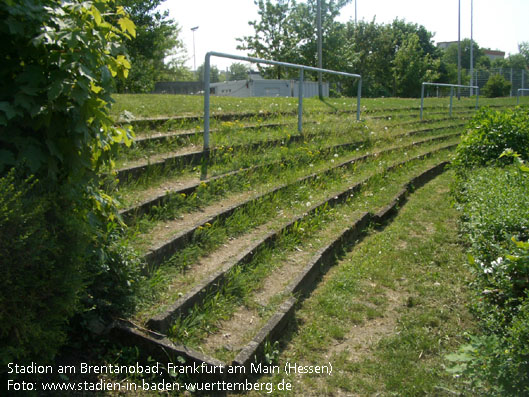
(165, 231)
(360, 340)
(233, 333)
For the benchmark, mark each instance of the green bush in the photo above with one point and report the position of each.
(41, 251)
(496, 86)
(58, 229)
(490, 133)
(498, 364)
(494, 205)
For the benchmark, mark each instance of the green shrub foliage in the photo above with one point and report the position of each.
(59, 252)
(58, 63)
(496, 86)
(490, 133)
(494, 205)
(38, 293)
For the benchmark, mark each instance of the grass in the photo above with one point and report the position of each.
(390, 309)
(404, 290)
(161, 105)
(312, 151)
(313, 223)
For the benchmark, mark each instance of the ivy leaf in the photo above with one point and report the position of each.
(6, 157)
(95, 88)
(8, 110)
(127, 26)
(34, 157)
(97, 15)
(55, 89)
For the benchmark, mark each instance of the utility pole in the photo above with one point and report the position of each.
(355, 12)
(459, 50)
(194, 58)
(472, 46)
(320, 62)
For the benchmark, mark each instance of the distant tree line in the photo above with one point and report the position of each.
(393, 58)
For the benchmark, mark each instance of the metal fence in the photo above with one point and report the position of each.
(517, 77)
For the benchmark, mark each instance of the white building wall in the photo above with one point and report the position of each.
(267, 88)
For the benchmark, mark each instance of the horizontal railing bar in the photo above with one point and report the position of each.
(450, 85)
(301, 68)
(278, 63)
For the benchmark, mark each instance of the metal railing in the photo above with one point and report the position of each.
(301, 68)
(452, 86)
(518, 94)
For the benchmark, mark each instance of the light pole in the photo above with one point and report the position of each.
(320, 62)
(459, 49)
(194, 58)
(472, 47)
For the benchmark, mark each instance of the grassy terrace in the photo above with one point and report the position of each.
(153, 106)
(267, 180)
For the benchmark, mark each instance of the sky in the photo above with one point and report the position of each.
(498, 25)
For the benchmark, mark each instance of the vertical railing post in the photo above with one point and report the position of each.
(358, 98)
(451, 99)
(206, 101)
(205, 151)
(422, 98)
(477, 97)
(300, 101)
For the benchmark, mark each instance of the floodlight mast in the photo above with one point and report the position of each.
(459, 49)
(193, 29)
(320, 56)
(472, 46)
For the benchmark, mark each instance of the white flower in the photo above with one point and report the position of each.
(497, 262)
(308, 204)
(486, 269)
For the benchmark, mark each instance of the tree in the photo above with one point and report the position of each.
(274, 36)
(523, 48)
(411, 67)
(371, 50)
(56, 137)
(214, 73)
(517, 61)
(450, 54)
(238, 71)
(303, 17)
(156, 40)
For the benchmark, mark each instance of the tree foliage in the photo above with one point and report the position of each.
(450, 53)
(60, 60)
(393, 59)
(523, 48)
(238, 71)
(496, 86)
(410, 63)
(56, 88)
(274, 36)
(381, 53)
(156, 41)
